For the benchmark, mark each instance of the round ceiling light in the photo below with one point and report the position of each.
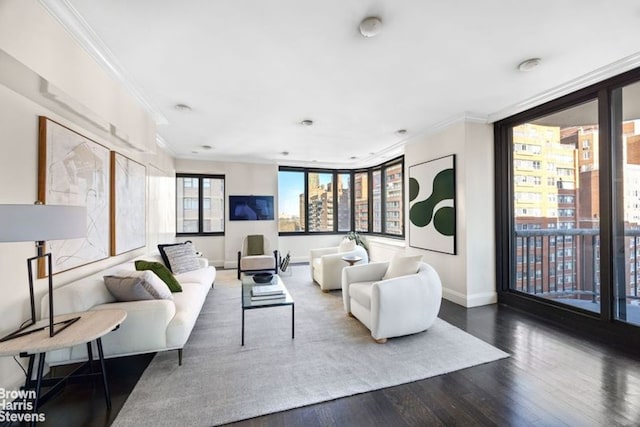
(306, 122)
(529, 64)
(207, 147)
(182, 107)
(370, 26)
(401, 132)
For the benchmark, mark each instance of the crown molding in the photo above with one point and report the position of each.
(625, 64)
(80, 30)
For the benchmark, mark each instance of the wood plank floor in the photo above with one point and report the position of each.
(553, 378)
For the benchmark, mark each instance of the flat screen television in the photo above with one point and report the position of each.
(251, 208)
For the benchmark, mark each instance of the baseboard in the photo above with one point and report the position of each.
(468, 301)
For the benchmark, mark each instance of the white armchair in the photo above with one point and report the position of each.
(394, 307)
(327, 263)
(256, 256)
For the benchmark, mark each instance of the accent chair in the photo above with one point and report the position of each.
(390, 303)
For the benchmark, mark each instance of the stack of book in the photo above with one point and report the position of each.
(267, 292)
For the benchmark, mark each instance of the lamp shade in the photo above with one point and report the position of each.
(23, 223)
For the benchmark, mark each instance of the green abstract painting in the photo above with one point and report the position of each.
(432, 207)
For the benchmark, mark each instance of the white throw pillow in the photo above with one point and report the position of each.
(402, 265)
(347, 245)
(136, 286)
(182, 258)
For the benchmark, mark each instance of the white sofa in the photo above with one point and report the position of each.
(327, 264)
(150, 326)
(394, 307)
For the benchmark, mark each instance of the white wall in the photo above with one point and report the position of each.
(468, 277)
(44, 52)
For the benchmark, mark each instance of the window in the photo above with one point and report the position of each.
(394, 210)
(291, 201)
(338, 201)
(361, 212)
(320, 201)
(344, 201)
(200, 204)
(377, 200)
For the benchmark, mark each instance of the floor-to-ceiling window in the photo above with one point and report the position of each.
(626, 135)
(568, 209)
(555, 206)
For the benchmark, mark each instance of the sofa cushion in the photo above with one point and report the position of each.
(258, 262)
(181, 258)
(162, 272)
(128, 285)
(401, 265)
(361, 292)
(163, 255)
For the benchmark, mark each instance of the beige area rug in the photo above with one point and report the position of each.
(332, 356)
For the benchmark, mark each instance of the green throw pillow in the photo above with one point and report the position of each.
(162, 272)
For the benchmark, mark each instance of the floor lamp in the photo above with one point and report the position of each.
(37, 223)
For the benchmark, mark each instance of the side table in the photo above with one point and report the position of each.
(91, 326)
(351, 259)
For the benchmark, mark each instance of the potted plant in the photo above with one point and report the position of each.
(353, 235)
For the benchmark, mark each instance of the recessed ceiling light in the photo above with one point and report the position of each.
(401, 132)
(353, 157)
(207, 147)
(306, 122)
(285, 153)
(182, 107)
(529, 64)
(370, 26)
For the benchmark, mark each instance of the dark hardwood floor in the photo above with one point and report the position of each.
(552, 378)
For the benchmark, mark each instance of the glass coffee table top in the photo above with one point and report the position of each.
(249, 302)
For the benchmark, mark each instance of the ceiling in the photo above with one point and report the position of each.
(252, 70)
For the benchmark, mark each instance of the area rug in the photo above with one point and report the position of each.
(332, 356)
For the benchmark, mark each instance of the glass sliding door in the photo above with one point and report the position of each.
(626, 160)
(556, 217)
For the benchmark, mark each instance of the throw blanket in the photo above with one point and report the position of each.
(255, 245)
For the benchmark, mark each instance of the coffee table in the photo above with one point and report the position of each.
(248, 304)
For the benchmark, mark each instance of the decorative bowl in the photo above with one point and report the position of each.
(262, 277)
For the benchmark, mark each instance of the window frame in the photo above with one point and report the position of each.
(352, 172)
(604, 325)
(201, 178)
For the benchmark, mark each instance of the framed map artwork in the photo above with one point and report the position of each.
(128, 193)
(74, 170)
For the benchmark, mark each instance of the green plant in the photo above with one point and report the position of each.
(353, 235)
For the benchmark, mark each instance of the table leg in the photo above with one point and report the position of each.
(107, 395)
(39, 380)
(27, 383)
(243, 326)
(90, 356)
(293, 315)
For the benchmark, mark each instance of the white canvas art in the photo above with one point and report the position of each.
(128, 217)
(432, 211)
(74, 170)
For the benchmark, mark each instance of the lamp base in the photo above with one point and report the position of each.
(25, 330)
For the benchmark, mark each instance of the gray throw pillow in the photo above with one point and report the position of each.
(137, 286)
(182, 258)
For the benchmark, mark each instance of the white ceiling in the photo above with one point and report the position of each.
(251, 70)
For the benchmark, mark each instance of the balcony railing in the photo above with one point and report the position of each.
(561, 264)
